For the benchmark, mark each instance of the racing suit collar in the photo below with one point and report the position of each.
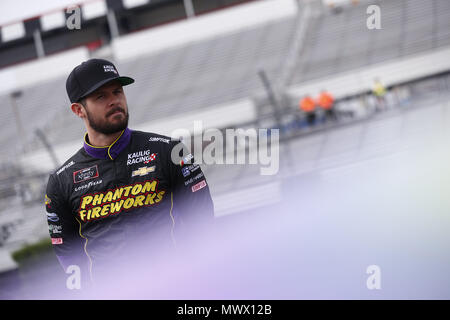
(111, 151)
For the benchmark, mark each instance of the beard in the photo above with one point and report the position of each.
(107, 127)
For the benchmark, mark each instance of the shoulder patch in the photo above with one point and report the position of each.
(71, 163)
(85, 174)
(199, 186)
(48, 201)
(186, 160)
(158, 139)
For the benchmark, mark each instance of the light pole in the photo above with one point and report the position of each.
(15, 109)
(189, 8)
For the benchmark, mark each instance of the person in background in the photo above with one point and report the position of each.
(379, 91)
(308, 106)
(326, 102)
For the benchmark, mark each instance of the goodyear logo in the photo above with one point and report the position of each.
(103, 204)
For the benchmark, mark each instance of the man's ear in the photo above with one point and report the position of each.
(78, 109)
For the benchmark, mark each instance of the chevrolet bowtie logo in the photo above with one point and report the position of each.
(143, 171)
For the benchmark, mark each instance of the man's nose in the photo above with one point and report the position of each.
(113, 101)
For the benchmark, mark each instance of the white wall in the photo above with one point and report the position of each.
(41, 70)
(390, 73)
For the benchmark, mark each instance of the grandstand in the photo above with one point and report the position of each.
(336, 43)
(225, 67)
(212, 75)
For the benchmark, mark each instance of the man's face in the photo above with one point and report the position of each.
(106, 109)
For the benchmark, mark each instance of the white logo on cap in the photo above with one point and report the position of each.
(109, 68)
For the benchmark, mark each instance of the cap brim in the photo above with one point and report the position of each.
(124, 81)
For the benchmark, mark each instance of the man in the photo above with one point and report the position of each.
(379, 90)
(122, 189)
(326, 102)
(308, 106)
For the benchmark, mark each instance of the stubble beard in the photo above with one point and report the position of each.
(106, 127)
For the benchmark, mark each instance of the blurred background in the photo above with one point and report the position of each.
(359, 93)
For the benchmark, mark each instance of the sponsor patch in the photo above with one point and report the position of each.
(71, 163)
(142, 171)
(54, 228)
(192, 180)
(185, 171)
(88, 185)
(193, 167)
(47, 200)
(199, 186)
(144, 156)
(57, 241)
(109, 68)
(151, 158)
(53, 217)
(103, 204)
(154, 139)
(85, 174)
(186, 160)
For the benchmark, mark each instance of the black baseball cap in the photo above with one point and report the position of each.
(91, 75)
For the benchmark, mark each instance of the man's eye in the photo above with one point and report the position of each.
(99, 97)
(118, 91)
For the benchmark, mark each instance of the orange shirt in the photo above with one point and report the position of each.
(326, 100)
(307, 104)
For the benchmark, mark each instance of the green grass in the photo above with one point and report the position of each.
(32, 252)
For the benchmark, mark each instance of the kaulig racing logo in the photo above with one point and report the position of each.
(140, 157)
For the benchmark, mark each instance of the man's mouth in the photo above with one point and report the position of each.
(115, 111)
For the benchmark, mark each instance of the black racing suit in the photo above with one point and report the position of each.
(103, 202)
